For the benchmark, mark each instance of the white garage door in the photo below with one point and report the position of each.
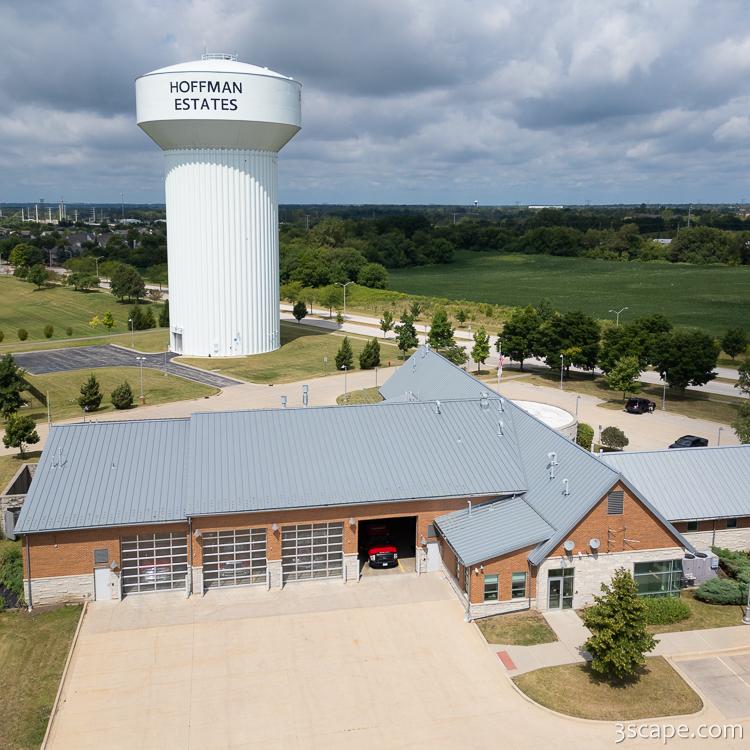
(234, 558)
(153, 562)
(312, 550)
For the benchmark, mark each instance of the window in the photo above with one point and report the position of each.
(692, 526)
(431, 531)
(490, 588)
(518, 585)
(101, 556)
(615, 503)
(660, 578)
(731, 523)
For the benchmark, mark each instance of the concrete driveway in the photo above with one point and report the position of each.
(724, 680)
(384, 663)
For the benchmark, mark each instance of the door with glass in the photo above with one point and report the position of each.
(560, 588)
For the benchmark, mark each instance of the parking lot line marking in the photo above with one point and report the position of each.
(400, 567)
(734, 672)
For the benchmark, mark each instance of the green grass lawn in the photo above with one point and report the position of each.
(9, 465)
(23, 306)
(572, 689)
(155, 340)
(713, 298)
(517, 629)
(33, 650)
(363, 396)
(300, 356)
(699, 405)
(64, 388)
(702, 615)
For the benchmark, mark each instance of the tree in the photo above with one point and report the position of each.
(345, 355)
(441, 331)
(154, 295)
(37, 276)
(415, 309)
(461, 315)
(741, 423)
(688, 358)
(373, 275)
(331, 296)
(743, 377)
(91, 395)
(164, 315)
(126, 283)
(456, 354)
(619, 639)
(584, 435)
(624, 376)
(108, 320)
(386, 322)
(12, 385)
(519, 338)
(481, 349)
(614, 437)
(299, 310)
(734, 342)
(22, 334)
(20, 431)
(575, 335)
(122, 396)
(406, 334)
(49, 329)
(369, 357)
(82, 281)
(141, 318)
(24, 256)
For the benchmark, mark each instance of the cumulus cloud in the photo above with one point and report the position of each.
(404, 101)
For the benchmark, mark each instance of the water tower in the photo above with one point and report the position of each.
(221, 124)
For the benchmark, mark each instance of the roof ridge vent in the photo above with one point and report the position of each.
(231, 56)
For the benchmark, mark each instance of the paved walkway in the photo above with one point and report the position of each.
(109, 355)
(572, 634)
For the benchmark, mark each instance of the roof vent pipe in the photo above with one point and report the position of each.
(552, 464)
(469, 502)
(484, 401)
(566, 491)
(437, 406)
(500, 428)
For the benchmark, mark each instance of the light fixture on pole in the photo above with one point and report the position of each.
(96, 260)
(343, 286)
(562, 369)
(132, 334)
(141, 360)
(718, 437)
(578, 398)
(618, 313)
(346, 392)
(664, 396)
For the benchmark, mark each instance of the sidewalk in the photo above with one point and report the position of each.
(572, 633)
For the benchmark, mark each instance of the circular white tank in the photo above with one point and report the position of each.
(221, 124)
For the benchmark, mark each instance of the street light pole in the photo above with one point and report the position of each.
(132, 334)
(343, 286)
(346, 392)
(143, 397)
(562, 368)
(578, 398)
(718, 438)
(96, 260)
(618, 313)
(664, 396)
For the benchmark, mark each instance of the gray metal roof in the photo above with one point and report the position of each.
(493, 529)
(292, 458)
(108, 474)
(690, 483)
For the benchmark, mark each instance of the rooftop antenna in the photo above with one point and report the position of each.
(122, 204)
(552, 464)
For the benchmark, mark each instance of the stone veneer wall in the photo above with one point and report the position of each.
(351, 567)
(736, 539)
(59, 589)
(592, 570)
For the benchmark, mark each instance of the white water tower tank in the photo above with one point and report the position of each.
(221, 124)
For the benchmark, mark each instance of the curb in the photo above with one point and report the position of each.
(63, 677)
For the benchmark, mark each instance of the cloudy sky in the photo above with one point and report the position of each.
(404, 101)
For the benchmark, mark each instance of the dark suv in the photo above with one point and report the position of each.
(689, 441)
(639, 406)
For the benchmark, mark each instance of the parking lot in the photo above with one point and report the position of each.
(723, 680)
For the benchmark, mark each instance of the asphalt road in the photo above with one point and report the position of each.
(91, 357)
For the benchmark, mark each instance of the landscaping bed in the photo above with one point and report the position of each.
(574, 690)
(702, 615)
(527, 628)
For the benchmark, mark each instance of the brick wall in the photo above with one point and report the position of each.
(636, 529)
(503, 566)
(714, 533)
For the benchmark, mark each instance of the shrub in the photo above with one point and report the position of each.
(23, 334)
(369, 357)
(735, 564)
(345, 355)
(722, 591)
(663, 610)
(91, 395)
(2, 335)
(49, 329)
(69, 331)
(2, 604)
(122, 396)
(299, 310)
(614, 437)
(584, 435)
(11, 568)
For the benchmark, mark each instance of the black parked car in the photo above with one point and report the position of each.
(639, 406)
(689, 441)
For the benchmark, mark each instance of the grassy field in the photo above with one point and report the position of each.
(713, 298)
(363, 396)
(23, 306)
(64, 388)
(572, 689)
(33, 649)
(699, 405)
(702, 615)
(517, 629)
(300, 356)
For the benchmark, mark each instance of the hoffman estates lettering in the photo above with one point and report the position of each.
(207, 87)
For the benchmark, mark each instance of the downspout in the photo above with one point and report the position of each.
(713, 533)
(467, 615)
(189, 582)
(28, 571)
